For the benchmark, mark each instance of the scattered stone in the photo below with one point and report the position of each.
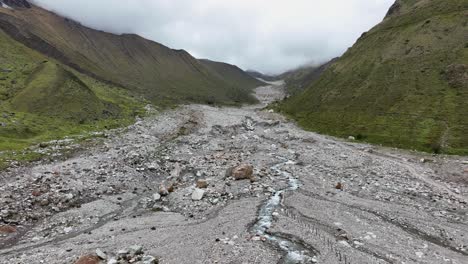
(202, 184)
(156, 197)
(242, 172)
(101, 254)
(89, 259)
(136, 250)
(149, 260)
(197, 194)
(112, 261)
(351, 138)
(339, 186)
(163, 190)
(7, 229)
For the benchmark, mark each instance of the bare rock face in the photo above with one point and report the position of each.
(241, 172)
(88, 259)
(16, 3)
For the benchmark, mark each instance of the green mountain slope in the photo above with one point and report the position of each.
(233, 74)
(53, 91)
(404, 83)
(161, 74)
(40, 100)
(299, 79)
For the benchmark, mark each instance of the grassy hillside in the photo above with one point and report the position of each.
(234, 75)
(40, 100)
(161, 74)
(299, 79)
(404, 83)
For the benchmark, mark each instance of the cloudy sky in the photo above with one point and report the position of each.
(266, 35)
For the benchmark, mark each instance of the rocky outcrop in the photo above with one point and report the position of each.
(16, 3)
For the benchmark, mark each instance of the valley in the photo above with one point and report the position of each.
(164, 186)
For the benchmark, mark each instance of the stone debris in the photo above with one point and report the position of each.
(89, 259)
(241, 172)
(202, 184)
(130, 176)
(101, 254)
(7, 229)
(197, 194)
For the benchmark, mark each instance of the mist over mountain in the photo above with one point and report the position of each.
(264, 35)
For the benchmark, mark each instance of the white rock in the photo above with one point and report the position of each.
(136, 250)
(156, 197)
(112, 261)
(67, 229)
(101, 254)
(149, 260)
(197, 194)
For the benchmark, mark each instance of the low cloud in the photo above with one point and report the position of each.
(266, 35)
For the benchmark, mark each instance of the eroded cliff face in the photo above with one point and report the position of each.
(15, 3)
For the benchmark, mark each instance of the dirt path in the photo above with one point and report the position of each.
(391, 207)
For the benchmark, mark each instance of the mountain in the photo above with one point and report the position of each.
(59, 78)
(299, 79)
(259, 75)
(233, 73)
(404, 83)
(161, 74)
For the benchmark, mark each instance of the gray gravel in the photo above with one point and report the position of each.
(355, 203)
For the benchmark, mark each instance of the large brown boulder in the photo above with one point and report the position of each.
(88, 259)
(7, 229)
(241, 172)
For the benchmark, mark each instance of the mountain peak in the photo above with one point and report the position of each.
(15, 4)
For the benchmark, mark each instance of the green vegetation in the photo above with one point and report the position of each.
(162, 75)
(42, 100)
(60, 79)
(402, 84)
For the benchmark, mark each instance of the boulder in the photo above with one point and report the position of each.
(197, 194)
(7, 229)
(101, 254)
(163, 190)
(149, 260)
(241, 172)
(88, 259)
(156, 197)
(202, 184)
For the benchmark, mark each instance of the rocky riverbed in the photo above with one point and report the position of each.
(201, 184)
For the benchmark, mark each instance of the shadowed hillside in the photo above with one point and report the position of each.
(404, 83)
(161, 74)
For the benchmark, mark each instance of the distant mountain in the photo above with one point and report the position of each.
(234, 74)
(148, 68)
(404, 83)
(259, 75)
(58, 77)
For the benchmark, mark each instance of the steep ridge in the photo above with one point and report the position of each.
(299, 79)
(259, 75)
(404, 83)
(41, 99)
(234, 74)
(161, 74)
(53, 91)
